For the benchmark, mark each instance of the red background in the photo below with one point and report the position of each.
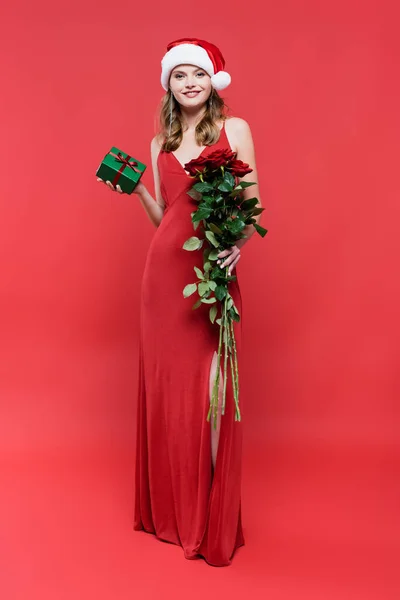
(318, 83)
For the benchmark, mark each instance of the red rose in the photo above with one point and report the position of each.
(219, 158)
(215, 160)
(196, 165)
(238, 168)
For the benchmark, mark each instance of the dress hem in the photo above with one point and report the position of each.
(193, 556)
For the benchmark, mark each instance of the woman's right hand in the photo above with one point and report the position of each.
(140, 187)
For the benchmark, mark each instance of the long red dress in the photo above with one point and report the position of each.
(179, 497)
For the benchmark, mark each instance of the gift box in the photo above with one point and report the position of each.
(121, 169)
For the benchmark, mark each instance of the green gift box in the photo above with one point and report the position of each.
(121, 169)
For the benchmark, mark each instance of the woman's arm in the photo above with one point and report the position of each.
(242, 140)
(153, 208)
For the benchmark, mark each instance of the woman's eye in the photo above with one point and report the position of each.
(179, 75)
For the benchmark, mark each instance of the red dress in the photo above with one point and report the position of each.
(179, 497)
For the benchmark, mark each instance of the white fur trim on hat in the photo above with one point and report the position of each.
(192, 54)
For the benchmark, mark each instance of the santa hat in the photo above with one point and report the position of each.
(191, 51)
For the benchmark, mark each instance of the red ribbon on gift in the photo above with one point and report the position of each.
(125, 163)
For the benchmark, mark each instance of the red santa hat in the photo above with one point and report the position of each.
(192, 51)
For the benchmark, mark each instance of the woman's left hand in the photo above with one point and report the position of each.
(232, 255)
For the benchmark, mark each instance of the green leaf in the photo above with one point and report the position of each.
(203, 288)
(212, 285)
(218, 273)
(235, 226)
(196, 304)
(229, 303)
(225, 187)
(234, 316)
(248, 204)
(219, 321)
(229, 179)
(194, 194)
(209, 300)
(203, 187)
(213, 255)
(257, 211)
(193, 243)
(198, 273)
(195, 225)
(245, 184)
(189, 289)
(201, 213)
(220, 292)
(211, 238)
(213, 313)
(207, 266)
(238, 190)
(260, 229)
(214, 228)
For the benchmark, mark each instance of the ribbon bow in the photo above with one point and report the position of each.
(124, 163)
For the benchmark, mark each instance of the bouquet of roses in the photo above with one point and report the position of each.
(224, 214)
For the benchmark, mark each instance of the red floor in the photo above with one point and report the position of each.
(66, 533)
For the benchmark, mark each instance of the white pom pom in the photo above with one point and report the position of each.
(220, 80)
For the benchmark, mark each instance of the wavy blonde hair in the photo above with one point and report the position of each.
(207, 130)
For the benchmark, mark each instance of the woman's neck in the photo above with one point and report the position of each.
(191, 117)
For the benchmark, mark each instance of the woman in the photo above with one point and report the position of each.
(187, 472)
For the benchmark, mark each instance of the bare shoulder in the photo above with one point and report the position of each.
(238, 132)
(155, 146)
(237, 126)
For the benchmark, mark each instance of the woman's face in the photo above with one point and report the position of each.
(190, 85)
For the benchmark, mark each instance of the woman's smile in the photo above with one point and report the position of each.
(192, 94)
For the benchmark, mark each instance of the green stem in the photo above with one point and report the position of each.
(226, 336)
(237, 416)
(233, 382)
(214, 395)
